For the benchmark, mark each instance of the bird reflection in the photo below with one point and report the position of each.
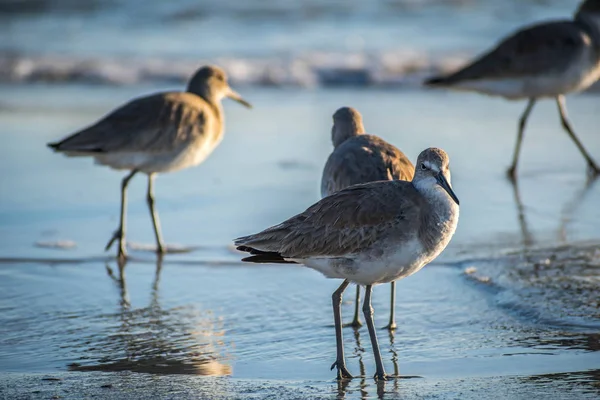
(394, 358)
(566, 215)
(571, 207)
(525, 232)
(155, 340)
(365, 385)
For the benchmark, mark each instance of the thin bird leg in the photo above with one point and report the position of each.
(522, 122)
(120, 232)
(392, 324)
(356, 320)
(340, 362)
(593, 168)
(368, 312)
(160, 247)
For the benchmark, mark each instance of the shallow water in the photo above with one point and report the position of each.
(206, 313)
(510, 307)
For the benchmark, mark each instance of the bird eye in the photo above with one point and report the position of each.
(423, 167)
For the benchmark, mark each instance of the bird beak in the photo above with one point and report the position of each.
(232, 94)
(441, 180)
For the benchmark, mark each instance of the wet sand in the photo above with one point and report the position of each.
(507, 311)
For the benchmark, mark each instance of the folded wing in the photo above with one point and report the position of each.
(156, 123)
(344, 223)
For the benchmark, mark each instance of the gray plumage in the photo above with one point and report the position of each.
(158, 123)
(358, 218)
(161, 132)
(368, 234)
(548, 48)
(157, 133)
(347, 222)
(543, 60)
(359, 157)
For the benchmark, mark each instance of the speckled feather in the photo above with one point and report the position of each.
(158, 123)
(544, 48)
(346, 222)
(358, 157)
(361, 159)
(361, 217)
(161, 132)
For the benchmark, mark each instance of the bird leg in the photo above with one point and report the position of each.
(356, 320)
(120, 232)
(512, 171)
(340, 362)
(368, 312)
(593, 168)
(392, 324)
(160, 247)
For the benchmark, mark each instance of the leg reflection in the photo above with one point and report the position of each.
(359, 351)
(121, 282)
(394, 358)
(150, 338)
(527, 237)
(570, 208)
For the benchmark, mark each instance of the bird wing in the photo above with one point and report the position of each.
(362, 159)
(543, 48)
(155, 123)
(344, 223)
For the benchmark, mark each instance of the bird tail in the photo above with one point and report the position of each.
(262, 257)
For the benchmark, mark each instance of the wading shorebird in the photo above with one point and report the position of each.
(544, 60)
(367, 234)
(360, 158)
(163, 132)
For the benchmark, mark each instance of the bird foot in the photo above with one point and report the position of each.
(391, 326)
(342, 371)
(382, 376)
(511, 173)
(354, 324)
(118, 235)
(593, 170)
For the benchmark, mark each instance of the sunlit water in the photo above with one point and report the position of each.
(511, 305)
(206, 313)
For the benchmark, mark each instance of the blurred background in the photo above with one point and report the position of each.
(520, 277)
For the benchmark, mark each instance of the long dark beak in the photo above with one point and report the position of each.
(441, 179)
(232, 94)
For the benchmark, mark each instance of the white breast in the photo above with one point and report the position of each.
(368, 268)
(151, 162)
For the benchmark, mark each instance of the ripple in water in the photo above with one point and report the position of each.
(152, 339)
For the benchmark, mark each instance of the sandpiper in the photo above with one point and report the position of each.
(162, 132)
(544, 60)
(361, 158)
(367, 234)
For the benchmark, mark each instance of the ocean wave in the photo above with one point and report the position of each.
(555, 286)
(317, 69)
(309, 70)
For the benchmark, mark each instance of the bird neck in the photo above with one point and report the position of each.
(439, 215)
(212, 98)
(344, 131)
(436, 196)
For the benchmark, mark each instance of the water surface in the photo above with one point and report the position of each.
(509, 307)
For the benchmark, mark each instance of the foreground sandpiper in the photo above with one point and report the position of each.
(544, 60)
(361, 158)
(162, 132)
(367, 234)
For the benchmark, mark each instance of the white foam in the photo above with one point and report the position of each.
(395, 68)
